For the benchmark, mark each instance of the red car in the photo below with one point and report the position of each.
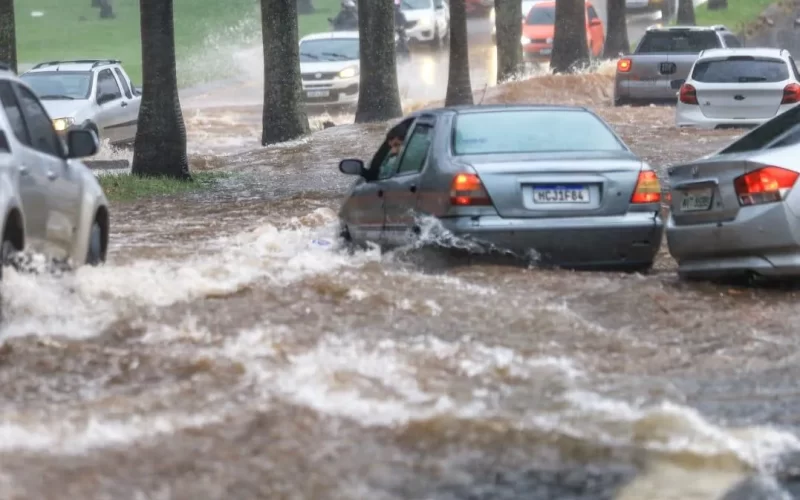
(478, 7)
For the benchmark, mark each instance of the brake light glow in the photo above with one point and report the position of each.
(624, 65)
(791, 94)
(765, 185)
(467, 190)
(648, 188)
(688, 94)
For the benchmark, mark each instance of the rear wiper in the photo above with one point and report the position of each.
(336, 54)
(312, 56)
(56, 96)
(745, 79)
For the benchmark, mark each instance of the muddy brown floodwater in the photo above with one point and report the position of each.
(230, 350)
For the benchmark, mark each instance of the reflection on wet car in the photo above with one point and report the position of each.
(736, 212)
(513, 178)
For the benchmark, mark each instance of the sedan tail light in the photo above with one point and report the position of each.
(791, 94)
(648, 188)
(688, 94)
(765, 185)
(624, 65)
(467, 190)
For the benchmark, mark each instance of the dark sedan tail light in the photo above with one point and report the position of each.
(467, 190)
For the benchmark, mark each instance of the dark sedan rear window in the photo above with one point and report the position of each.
(679, 42)
(531, 131)
(741, 69)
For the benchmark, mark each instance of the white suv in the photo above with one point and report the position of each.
(51, 202)
(742, 87)
(428, 21)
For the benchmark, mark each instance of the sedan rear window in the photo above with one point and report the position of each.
(679, 42)
(531, 131)
(740, 69)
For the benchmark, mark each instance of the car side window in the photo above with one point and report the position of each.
(107, 84)
(731, 41)
(40, 126)
(592, 13)
(14, 113)
(793, 65)
(125, 87)
(416, 150)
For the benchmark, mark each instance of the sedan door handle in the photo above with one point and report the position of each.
(413, 188)
(52, 175)
(23, 170)
(124, 104)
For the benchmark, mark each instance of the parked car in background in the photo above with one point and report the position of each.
(51, 202)
(668, 8)
(738, 88)
(330, 67)
(737, 212)
(428, 21)
(661, 62)
(94, 94)
(478, 7)
(538, 29)
(550, 182)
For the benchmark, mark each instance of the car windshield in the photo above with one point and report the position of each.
(541, 15)
(329, 49)
(416, 4)
(741, 69)
(680, 42)
(532, 131)
(60, 84)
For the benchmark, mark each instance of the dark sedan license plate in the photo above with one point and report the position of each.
(696, 200)
(561, 194)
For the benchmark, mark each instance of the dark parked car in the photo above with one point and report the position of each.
(555, 182)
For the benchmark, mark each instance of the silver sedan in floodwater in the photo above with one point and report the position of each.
(737, 212)
(553, 183)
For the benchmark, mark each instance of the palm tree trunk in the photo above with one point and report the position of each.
(570, 47)
(459, 88)
(305, 7)
(284, 116)
(379, 94)
(686, 13)
(508, 23)
(617, 42)
(160, 146)
(8, 34)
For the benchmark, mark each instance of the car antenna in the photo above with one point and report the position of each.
(485, 88)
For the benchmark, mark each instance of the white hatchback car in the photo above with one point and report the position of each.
(428, 21)
(741, 87)
(330, 67)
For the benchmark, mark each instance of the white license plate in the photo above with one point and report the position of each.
(546, 52)
(696, 200)
(561, 195)
(318, 93)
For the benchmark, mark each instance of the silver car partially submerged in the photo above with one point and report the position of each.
(550, 182)
(736, 213)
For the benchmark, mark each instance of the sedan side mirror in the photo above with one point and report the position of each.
(351, 167)
(104, 98)
(82, 143)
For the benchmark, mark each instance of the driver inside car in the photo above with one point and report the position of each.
(394, 139)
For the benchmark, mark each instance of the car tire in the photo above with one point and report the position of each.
(94, 254)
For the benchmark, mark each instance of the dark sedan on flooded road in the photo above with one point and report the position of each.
(550, 183)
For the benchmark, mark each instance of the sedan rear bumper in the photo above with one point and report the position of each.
(629, 90)
(630, 240)
(762, 239)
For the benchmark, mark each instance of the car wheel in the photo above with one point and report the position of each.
(94, 255)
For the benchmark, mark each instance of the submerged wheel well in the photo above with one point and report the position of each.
(101, 217)
(14, 230)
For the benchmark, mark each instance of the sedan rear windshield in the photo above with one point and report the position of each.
(542, 15)
(740, 69)
(678, 42)
(532, 131)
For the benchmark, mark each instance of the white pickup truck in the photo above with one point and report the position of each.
(95, 94)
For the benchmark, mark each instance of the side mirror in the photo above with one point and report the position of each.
(351, 167)
(82, 143)
(104, 98)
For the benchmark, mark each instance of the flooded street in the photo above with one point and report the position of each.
(230, 349)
